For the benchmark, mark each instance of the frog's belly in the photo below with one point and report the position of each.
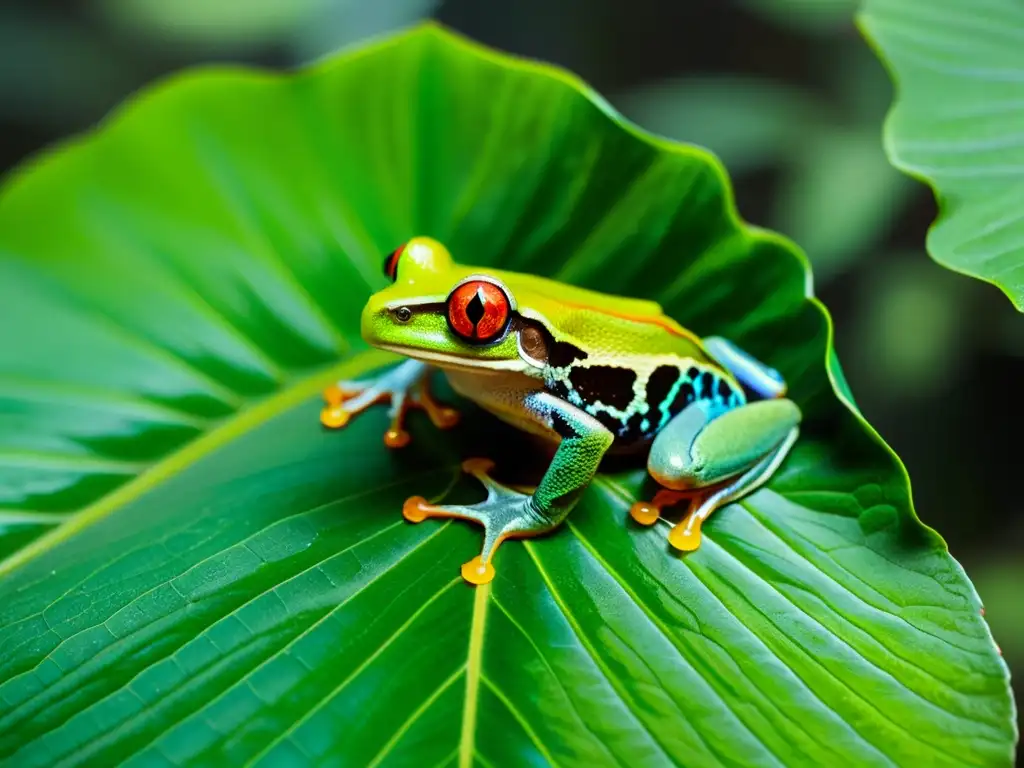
(502, 394)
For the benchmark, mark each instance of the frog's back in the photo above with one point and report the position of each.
(605, 324)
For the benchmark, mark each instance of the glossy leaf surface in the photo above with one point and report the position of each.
(237, 585)
(956, 124)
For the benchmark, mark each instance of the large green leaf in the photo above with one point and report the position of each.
(956, 124)
(238, 585)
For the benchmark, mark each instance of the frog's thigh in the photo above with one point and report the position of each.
(696, 449)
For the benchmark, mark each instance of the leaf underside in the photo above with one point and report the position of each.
(956, 124)
(236, 585)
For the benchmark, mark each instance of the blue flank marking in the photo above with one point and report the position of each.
(667, 400)
(735, 399)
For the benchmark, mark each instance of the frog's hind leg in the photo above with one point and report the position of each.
(404, 386)
(685, 535)
(719, 458)
(765, 381)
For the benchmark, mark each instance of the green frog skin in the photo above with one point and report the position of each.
(590, 372)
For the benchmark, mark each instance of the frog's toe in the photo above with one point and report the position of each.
(441, 416)
(644, 513)
(479, 467)
(334, 416)
(397, 438)
(346, 399)
(648, 512)
(396, 435)
(416, 509)
(335, 394)
(478, 572)
(685, 536)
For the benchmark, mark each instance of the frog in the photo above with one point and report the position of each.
(590, 374)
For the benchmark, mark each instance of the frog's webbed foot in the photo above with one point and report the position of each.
(505, 513)
(405, 386)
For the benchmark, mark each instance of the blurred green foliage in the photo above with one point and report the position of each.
(216, 22)
(307, 29)
(837, 195)
(814, 16)
(52, 72)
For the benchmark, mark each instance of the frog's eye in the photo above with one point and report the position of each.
(391, 262)
(478, 311)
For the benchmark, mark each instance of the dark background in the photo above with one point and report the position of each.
(785, 91)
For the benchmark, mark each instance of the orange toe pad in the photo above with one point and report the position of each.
(685, 540)
(476, 571)
(472, 466)
(396, 438)
(415, 509)
(334, 417)
(644, 513)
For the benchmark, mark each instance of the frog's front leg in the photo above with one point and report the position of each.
(404, 386)
(715, 459)
(507, 513)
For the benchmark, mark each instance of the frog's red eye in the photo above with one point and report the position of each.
(478, 311)
(391, 262)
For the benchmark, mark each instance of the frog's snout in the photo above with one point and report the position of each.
(370, 321)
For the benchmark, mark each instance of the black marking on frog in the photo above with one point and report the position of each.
(660, 382)
(632, 431)
(604, 384)
(613, 424)
(561, 426)
(558, 388)
(562, 353)
(706, 388)
(684, 396)
(633, 410)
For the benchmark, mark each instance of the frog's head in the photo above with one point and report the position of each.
(447, 314)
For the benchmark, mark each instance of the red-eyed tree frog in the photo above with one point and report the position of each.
(590, 372)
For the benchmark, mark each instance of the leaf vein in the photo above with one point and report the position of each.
(599, 663)
(288, 733)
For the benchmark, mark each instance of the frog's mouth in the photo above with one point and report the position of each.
(452, 362)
